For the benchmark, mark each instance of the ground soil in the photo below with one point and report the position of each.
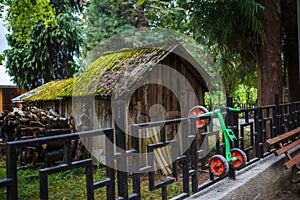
(292, 192)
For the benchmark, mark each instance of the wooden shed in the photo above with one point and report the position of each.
(161, 81)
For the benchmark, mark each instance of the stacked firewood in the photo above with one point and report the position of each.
(32, 122)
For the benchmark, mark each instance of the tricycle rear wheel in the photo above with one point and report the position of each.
(197, 111)
(240, 156)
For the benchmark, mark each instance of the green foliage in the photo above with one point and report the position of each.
(45, 47)
(165, 14)
(231, 24)
(214, 100)
(105, 18)
(23, 15)
(1, 58)
(244, 94)
(1, 8)
(232, 30)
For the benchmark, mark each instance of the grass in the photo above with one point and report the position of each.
(71, 185)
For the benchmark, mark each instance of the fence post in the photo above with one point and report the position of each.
(11, 172)
(185, 163)
(232, 121)
(136, 183)
(194, 155)
(119, 122)
(110, 172)
(258, 139)
(276, 115)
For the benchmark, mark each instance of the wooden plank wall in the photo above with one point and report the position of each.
(176, 103)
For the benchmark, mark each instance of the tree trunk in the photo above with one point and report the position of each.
(290, 48)
(269, 67)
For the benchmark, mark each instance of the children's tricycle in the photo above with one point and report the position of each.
(219, 165)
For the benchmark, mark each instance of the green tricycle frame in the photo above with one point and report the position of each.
(219, 165)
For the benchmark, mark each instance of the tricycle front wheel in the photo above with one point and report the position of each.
(218, 165)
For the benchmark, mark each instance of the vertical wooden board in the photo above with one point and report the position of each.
(178, 85)
(140, 104)
(70, 107)
(193, 94)
(189, 92)
(66, 108)
(166, 94)
(184, 90)
(201, 96)
(159, 100)
(152, 95)
(174, 82)
(146, 99)
(133, 108)
(109, 114)
(61, 106)
(102, 114)
(141, 98)
(156, 92)
(98, 142)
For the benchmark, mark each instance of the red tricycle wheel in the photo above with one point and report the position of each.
(196, 111)
(241, 158)
(218, 165)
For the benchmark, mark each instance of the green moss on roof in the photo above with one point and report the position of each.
(101, 76)
(54, 90)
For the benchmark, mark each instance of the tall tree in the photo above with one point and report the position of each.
(106, 18)
(290, 48)
(45, 39)
(231, 30)
(269, 63)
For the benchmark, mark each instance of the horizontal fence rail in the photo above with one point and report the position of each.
(183, 149)
(11, 182)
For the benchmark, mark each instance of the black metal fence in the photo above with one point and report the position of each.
(189, 151)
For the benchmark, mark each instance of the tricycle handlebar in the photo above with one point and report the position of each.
(230, 109)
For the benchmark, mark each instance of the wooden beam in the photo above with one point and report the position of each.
(284, 136)
(292, 162)
(287, 147)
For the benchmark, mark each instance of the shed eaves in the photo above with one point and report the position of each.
(54, 90)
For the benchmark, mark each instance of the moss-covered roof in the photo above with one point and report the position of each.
(110, 70)
(54, 90)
